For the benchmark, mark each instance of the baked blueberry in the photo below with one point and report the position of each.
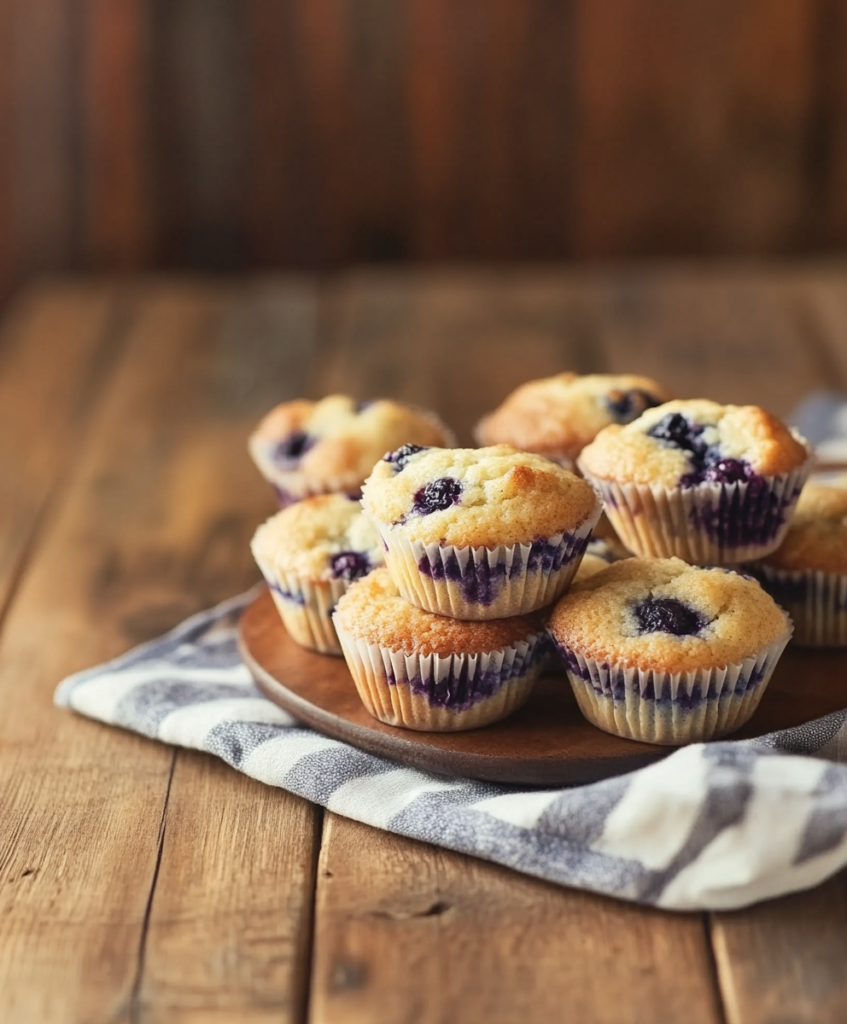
(437, 495)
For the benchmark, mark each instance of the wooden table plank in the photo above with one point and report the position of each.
(229, 928)
(154, 525)
(409, 932)
(56, 352)
(512, 948)
(736, 336)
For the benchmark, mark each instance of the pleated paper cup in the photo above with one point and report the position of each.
(306, 606)
(815, 600)
(443, 693)
(476, 583)
(707, 524)
(671, 708)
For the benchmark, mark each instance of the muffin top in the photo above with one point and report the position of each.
(693, 442)
(479, 497)
(666, 615)
(320, 538)
(817, 534)
(374, 611)
(558, 416)
(337, 440)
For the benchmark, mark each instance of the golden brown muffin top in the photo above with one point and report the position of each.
(665, 615)
(557, 416)
(817, 534)
(337, 440)
(477, 497)
(308, 538)
(661, 447)
(373, 610)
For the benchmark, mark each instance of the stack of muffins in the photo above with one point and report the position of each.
(489, 551)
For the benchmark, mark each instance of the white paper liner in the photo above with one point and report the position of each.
(396, 703)
(660, 522)
(307, 613)
(621, 699)
(291, 486)
(815, 600)
(518, 594)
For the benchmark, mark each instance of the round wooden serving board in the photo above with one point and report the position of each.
(547, 742)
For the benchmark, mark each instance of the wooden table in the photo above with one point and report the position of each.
(143, 883)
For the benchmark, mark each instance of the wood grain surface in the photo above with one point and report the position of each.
(142, 884)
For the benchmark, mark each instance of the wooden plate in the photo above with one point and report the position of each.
(547, 742)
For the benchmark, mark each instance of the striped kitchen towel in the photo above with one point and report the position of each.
(711, 826)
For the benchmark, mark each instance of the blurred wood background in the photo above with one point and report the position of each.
(228, 134)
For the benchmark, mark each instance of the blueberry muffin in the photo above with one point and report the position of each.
(807, 574)
(712, 484)
(309, 555)
(664, 652)
(558, 416)
(305, 448)
(422, 671)
(479, 533)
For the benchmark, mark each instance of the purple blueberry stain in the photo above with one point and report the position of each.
(400, 458)
(461, 688)
(737, 518)
(626, 406)
(437, 495)
(667, 615)
(292, 597)
(481, 582)
(350, 565)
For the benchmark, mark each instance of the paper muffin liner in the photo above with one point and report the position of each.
(443, 693)
(306, 606)
(475, 583)
(707, 524)
(815, 600)
(671, 708)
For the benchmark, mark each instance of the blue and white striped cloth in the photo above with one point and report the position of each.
(711, 826)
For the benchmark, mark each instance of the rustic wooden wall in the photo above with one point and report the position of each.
(242, 133)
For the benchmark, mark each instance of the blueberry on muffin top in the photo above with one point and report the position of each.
(665, 615)
(480, 497)
(321, 538)
(685, 443)
(559, 415)
(817, 533)
(373, 610)
(338, 439)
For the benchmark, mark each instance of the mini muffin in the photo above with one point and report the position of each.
(309, 555)
(712, 484)
(422, 671)
(664, 652)
(479, 533)
(305, 448)
(807, 574)
(558, 416)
